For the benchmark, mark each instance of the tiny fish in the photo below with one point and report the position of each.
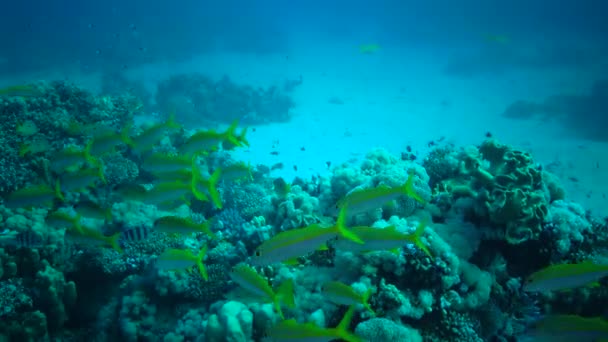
(277, 166)
(275, 153)
(25, 239)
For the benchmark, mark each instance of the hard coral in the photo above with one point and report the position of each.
(507, 188)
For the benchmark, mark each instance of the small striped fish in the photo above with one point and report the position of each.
(25, 239)
(135, 234)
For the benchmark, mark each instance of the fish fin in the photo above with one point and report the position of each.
(199, 262)
(285, 294)
(343, 231)
(342, 328)
(114, 241)
(408, 189)
(365, 303)
(415, 238)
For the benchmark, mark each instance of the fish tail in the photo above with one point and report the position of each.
(365, 303)
(344, 324)
(58, 192)
(206, 228)
(101, 174)
(242, 137)
(343, 231)
(23, 149)
(212, 188)
(285, 294)
(171, 123)
(88, 157)
(125, 135)
(231, 131)
(408, 189)
(415, 238)
(107, 214)
(199, 262)
(114, 241)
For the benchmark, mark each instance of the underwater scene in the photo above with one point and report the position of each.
(359, 171)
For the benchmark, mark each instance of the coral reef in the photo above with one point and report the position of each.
(196, 98)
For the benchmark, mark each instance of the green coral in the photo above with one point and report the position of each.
(508, 188)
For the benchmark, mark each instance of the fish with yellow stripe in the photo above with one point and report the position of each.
(388, 238)
(565, 276)
(342, 294)
(363, 200)
(32, 196)
(291, 244)
(290, 330)
(174, 259)
(248, 279)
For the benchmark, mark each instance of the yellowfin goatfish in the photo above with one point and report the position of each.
(92, 237)
(369, 48)
(210, 140)
(343, 294)
(168, 192)
(247, 278)
(241, 138)
(364, 200)
(178, 259)
(61, 219)
(388, 238)
(290, 330)
(32, 196)
(295, 243)
(182, 225)
(81, 179)
(565, 276)
(160, 163)
(204, 189)
(27, 128)
(69, 158)
(21, 90)
(237, 171)
(153, 134)
(568, 328)
(107, 142)
(93, 210)
(35, 146)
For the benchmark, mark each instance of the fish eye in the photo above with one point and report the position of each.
(257, 253)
